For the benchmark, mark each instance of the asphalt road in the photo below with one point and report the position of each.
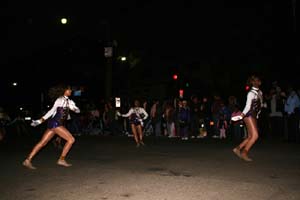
(112, 168)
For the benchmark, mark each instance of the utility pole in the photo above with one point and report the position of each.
(108, 71)
(108, 53)
(294, 15)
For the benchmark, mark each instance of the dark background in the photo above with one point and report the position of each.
(212, 45)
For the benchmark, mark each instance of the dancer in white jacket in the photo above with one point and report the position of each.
(136, 115)
(57, 116)
(250, 115)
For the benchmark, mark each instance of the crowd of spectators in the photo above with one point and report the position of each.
(196, 116)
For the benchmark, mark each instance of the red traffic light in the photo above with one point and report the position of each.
(247, 87)
(175, 77)
(181, 91)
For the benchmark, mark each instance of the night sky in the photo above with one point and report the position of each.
(212, 43)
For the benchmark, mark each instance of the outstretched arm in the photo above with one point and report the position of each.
(127, 114)
(52, 110)
(73, 106)
(47, 115)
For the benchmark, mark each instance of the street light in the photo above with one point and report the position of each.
(64, 20)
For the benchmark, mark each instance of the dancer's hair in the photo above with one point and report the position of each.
(251, 79)
(58, 90)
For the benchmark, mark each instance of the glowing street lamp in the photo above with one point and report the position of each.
(64, 20)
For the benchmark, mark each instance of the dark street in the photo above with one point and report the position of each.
(110, 168)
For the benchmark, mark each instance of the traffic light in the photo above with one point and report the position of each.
(181, 91)
(247, 87)
(175, 77)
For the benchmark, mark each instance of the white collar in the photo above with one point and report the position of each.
(254, 88)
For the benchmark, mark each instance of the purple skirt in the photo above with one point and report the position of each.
(59, 118)
(53, 123)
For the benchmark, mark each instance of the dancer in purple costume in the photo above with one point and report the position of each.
(136, 115)
(57, 116)
(250, 115)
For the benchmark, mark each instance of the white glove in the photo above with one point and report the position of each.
(35, 123)
(142, 123)
(118, 113)
(236, 118)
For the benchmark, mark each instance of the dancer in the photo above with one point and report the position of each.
(58, 115)
(250, 115)
(136, 116)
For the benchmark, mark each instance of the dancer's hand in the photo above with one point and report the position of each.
(141, 121)
(236, 118)
(35, 123)
(118, 113)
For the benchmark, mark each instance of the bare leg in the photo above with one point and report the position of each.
(49, 133)
(140, 134)
(253, 132)
(134, 132)
(237, 150)
(66, 135)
